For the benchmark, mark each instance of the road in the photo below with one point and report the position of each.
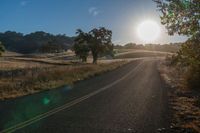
(130, 99)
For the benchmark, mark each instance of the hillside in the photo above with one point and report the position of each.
(39, 41)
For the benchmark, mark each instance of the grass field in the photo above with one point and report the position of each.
(26, 74)
(131, 53)
(22, 75)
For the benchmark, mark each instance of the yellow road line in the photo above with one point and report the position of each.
(65, 106)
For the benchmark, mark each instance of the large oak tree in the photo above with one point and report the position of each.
(97, 40)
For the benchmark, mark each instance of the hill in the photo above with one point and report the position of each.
(37, 42)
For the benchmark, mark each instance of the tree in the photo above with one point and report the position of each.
(180, 16)
(183, 17)
(2, 49)
(81, 47)
(109, 51)
(189, 56)
(99, 41)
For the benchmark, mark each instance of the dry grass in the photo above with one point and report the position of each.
(42, 60)
(185, 103)
(16, 64)
(11, 60)
(10, 54)
(140, 53)
(19, 82)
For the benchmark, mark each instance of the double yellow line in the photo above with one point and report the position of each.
(65, 106)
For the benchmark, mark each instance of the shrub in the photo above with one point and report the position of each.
(192, 77)
(189, 57)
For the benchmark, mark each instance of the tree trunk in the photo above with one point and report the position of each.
(84, 59)
(95, 57)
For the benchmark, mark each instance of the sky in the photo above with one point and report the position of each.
(65, 16)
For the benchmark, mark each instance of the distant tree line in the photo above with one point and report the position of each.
(172, 47)
(97, 41)
(35, 42)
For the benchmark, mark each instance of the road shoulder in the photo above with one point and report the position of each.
(184, 103)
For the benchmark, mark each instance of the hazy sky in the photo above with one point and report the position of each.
(65, 16)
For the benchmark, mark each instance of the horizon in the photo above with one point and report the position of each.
(64, 17)
(93, 66)
(122, 44)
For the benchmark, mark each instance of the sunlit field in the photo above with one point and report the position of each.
(100, 66)
(140, 54)
(35, 73)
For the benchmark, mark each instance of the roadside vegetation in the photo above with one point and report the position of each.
(184, 102)
(182, 17)
(182, 70)
(19, 82)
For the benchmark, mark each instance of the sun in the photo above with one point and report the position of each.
(148, 31)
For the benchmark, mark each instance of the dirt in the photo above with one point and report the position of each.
(184, 103)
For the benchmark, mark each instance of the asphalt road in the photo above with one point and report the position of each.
(131, 99)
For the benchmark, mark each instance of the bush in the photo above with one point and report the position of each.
(192, 77)
(188, 58)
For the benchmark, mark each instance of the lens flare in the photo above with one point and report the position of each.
(46, 101)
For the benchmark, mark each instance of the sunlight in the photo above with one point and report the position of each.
(148, 31)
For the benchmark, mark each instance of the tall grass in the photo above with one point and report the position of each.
(20, 82)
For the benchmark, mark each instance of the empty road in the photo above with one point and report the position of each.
(130, 99)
